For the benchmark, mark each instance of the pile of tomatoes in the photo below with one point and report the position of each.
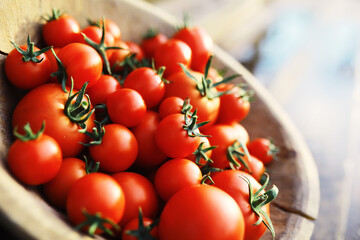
(138, 140)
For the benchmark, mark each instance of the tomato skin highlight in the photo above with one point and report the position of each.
(84, 195)
(57, 189)
(82, 63)
(172, 139)
(118, 149)
(138, 192)
(231, 181)
(27, 75)
(35, 161)
(60, 32)
(46, 104)
(204, 213)
(175, 175)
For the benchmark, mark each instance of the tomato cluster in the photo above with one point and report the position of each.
(141, 139)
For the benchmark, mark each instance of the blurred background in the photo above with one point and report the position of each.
(306, 53)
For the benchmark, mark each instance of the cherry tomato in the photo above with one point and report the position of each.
(200, 43)
(183, 86)
(170, 54)
(100, 91)
(201, 212)
(223, 136)
(257, 168)
(112, 27)
(95, 193)
(126, 107)
(95, 33)
(27, 74)
(151, 41)
(57, 189)
(263, 149)
(46, 103)
(35, 161)
(138, 192)
(135, 49)
(170, 105)
(233, 108)
(172, 139)
(149, 154)
(232, 182)
(117, 56)
(175, 175)
(118, 149)
(148, 83)
(60, 30)
(82, 63)
(205, 144)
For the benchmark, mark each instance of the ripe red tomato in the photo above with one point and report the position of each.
(27, 74)
(126, 107)
(139, 193)
(223, 136)
(57, 189)
(35, 161)
(173, 140)
(183, 86)
(201, 212)
(149, 154)
(100, 91)
(257, 168)
(135, 49)
(170, 105)
(95, 34)
(95, 193)
(117, 56)
(118, 149)
(82, 63)
(111, 27)
(170, 54)
(201, 45)
(133, 225)
(175, 175)
(46, 103)
(233, 108)
(151, 41)
(202, 154)
(263, 149)
(60, 30)
(232, 182)
(148, 83)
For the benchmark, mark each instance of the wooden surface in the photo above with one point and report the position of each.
(307, 54)
(295, 173)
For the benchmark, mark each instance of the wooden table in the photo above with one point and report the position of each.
(307, 55)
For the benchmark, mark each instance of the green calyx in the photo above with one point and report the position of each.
(96, 135)
(206, 171)
(238, 155)
(143, 232)
(95, 221)
(150, 33)
(78, 111)
(205, 86)
(130, 63)
(30, 54)
(60, 74)
(200, 153)
(258, 200)
(96, 23)
(160, 72)
(273, 150)
(191, 126)
(186, 107)
(101, 47)
(29, 134)
(91, 166)
(55, 15)
(244, 93)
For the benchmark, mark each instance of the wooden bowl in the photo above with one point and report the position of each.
(22, 208)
